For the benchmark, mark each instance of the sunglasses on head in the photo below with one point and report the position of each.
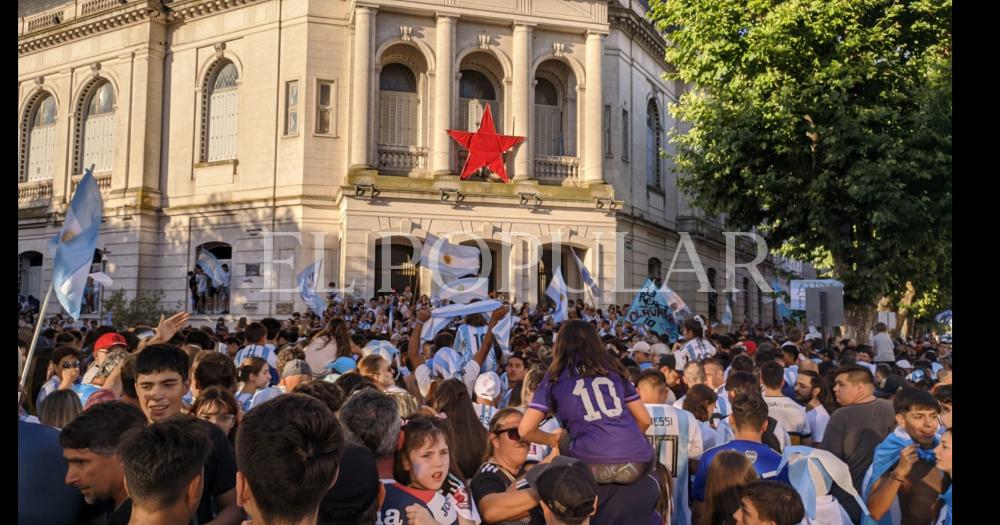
(512, 433)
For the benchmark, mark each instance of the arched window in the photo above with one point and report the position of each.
(209, 284)
(29, 274)
(713, 296)
(549, 136)
(42, 139)
(746, 299)
(222, 114)
(654, 141)
(399, 271)
(98, 145)
(475, 92)
(655, 268)
(398, 110)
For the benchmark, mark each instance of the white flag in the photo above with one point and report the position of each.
(464, 291)
(444, 258)
(558, 293)
(588, 280)
(307, 287)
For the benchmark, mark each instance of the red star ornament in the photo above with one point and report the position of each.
(486, 148)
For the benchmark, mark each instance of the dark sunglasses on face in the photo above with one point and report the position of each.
(512, 433)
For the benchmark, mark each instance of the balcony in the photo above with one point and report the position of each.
(401, 160)
(34, 194)
(103, 182)
(556, 170)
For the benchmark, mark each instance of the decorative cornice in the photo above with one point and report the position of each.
(88, 25)
(186, 10)
(636, 27)
(104, 16)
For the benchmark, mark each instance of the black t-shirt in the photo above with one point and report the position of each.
(491, 479)
(122, 514)
(220, 472)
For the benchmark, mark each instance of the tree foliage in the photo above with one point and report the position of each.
(145, 308)
(825, 124)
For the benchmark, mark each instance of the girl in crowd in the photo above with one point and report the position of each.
(254, 374)
(428, 489)
(59, 408)
(696, 346)
(376, 368)
(701, 402)
(728, 473)
(603, 422)
(219, 407)
(330, 343)
(466, 433)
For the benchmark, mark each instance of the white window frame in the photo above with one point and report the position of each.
(291, 109)
(208, 155)
(331, 107)
(41, 154)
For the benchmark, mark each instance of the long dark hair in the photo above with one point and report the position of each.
(826, 397)
(697, 400)
(728, 473)
(467, 435)
(417, 432)
(578, 346)
(339, 331)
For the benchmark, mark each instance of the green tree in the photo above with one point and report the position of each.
(145, 308)
(825, 124)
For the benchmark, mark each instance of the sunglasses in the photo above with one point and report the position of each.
(512, 433)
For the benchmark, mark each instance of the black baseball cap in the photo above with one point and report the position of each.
(566, 486)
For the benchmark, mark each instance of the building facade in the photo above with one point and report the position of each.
(271, 133)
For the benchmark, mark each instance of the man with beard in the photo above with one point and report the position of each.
(90, 445)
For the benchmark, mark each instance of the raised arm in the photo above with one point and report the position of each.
(415, 345)
(484, 349)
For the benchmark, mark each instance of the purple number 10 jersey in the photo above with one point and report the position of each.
(594, 411)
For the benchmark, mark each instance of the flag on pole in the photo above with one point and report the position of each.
(588, 280)
(558, 293)
(76, 244)
(444, 258)
(783, 311)
(727, 315)
(678, 308)
(464, 291)
(650, 310)
(212, 267)
(307, 287)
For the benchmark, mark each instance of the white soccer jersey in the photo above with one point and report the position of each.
(676, 438)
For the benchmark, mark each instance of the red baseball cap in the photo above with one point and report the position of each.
(109, 340)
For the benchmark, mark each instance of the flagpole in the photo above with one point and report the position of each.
(29, 363)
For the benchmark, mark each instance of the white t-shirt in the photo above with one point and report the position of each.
(818, 418)
(790, 414)
(664, 435)
(468, 376)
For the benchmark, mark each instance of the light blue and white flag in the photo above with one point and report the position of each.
(588, 280)
(464, 291)
(727, 315)
(447, 259)
(76, 244)
(812, 473)
(307, 287)
(559, 294)
(944, 317)
(783, 310)
(678, 308)
(651, 312)
(442, 316)
(212, 267)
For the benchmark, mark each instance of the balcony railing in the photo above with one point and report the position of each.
(103, 182)
(34, 194)
(554, 169)
(401, 159)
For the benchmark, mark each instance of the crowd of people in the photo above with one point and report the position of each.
(374, 413)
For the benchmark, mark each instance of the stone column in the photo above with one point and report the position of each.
(444, 82)
(364, 29)
(522, 100)
(593, 153)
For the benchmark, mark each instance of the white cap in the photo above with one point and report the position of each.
(903, 363)
(488, 385)
(661, 349)
(641, 346)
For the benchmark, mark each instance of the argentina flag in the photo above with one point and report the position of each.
(307, 287)
(76, 244)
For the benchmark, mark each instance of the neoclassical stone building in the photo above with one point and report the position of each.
(213, 123)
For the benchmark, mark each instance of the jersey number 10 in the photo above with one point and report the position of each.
(580, 390)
